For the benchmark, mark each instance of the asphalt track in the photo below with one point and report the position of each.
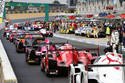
(31, 73)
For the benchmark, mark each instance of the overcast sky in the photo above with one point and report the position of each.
(42, 1)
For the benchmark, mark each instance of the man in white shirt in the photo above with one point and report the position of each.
(114, 42)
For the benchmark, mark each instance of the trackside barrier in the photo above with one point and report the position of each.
(7, 74)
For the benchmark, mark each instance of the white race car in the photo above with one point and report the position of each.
(46, 32)
(79, 31)
(78, 74)
(108, 69)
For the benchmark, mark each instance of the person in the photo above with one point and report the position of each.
(108, 31)
(114, 41)
(95, 31)
(123, 33)
(20, 46)
(120, 30)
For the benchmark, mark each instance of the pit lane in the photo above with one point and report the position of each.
(31, 73)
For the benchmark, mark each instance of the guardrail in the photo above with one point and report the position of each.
(7, 74)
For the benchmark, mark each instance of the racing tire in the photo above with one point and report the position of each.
(47, 72)
(42, 67)
(76, 34)
(17, 50)
(26, 57)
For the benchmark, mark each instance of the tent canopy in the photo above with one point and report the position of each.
(110, 16)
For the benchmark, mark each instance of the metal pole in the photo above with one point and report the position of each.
(46, 12)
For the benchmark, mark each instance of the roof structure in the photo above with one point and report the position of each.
(38, 1)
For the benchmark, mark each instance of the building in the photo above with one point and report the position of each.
(97, 6)
(53, 8)
(38, 1)
(58, 8)
(71, 5)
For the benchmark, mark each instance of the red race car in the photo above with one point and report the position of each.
(32, 54)
(21, 42)
(58, 61)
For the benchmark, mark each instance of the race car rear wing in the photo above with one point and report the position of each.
(42, 44)
(27, 33)
(84, 49)
(106, 65)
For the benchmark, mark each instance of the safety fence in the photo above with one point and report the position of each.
(7, 74)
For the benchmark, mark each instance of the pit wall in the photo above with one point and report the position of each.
(7, 74)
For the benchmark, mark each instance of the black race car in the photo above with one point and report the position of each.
(31, 45)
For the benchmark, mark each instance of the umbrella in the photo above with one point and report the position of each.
(122, 16)
(89, 15)
(72, 17)
(102, 14)
(110, 16)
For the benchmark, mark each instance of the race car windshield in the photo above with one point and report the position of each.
(38, 42)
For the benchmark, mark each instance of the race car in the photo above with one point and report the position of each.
(46, 32)
(20, 42)
(12, 35)
(15, 34)
(55, 61)
(9, 30)
(58, 61)
(79, 30)
(83, 30)
(6, 33)
(107, 68)
(78, 74)
(31, 50)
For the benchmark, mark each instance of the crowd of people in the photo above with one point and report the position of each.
(97, 25)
